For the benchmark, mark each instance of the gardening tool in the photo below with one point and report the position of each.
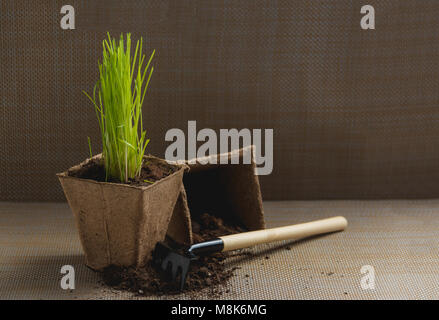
(176, 264)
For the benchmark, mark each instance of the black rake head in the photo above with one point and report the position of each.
(174, 265)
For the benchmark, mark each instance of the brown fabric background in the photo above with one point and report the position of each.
(355, 113)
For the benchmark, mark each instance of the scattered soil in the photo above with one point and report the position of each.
(206, 272)
(153, 170)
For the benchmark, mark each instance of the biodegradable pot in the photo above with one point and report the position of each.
(229, 191)
(120, 224)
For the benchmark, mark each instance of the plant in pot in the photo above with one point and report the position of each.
(121, 199)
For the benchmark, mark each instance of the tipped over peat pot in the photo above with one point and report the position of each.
(119, 224)
(228, 191)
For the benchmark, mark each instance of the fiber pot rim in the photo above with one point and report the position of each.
(65, 175)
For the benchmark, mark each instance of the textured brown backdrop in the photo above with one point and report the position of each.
(355, 112)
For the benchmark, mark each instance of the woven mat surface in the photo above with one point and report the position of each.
(400, 239)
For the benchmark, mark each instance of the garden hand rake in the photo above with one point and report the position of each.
(176, 264)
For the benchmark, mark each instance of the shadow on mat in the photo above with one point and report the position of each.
(245, 256)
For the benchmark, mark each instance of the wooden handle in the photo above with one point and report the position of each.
(298, 231)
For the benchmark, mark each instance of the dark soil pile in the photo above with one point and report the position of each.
(153, 170)
(208, 271)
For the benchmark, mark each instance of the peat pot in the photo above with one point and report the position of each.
(119, 224)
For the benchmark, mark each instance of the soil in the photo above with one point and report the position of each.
(206, 272)
(153, 170)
